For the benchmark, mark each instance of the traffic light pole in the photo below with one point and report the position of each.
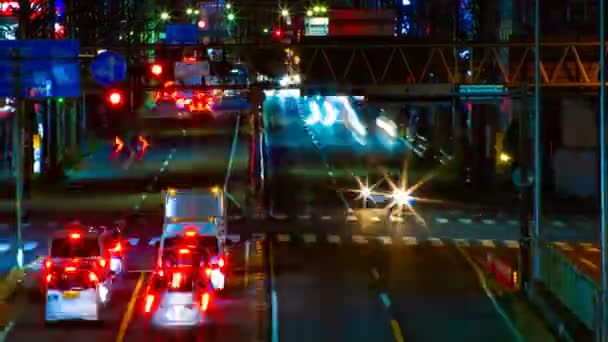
(18, 145)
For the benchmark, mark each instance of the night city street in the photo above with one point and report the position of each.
(302, 171)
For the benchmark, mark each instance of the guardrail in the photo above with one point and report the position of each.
(577, 291)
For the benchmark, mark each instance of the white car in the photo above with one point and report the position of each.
(77, 278)
(178, 297)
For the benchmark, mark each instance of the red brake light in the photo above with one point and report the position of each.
(75, 236)
(48, 264)
(93, 277)
(205, 301)
(208, 271)
(220, 263)
(191, 233)
(184, 251)
(49, 278)
(70, 269)
(149, 302)
(102, 263)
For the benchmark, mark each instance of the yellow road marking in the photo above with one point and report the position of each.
(397, 331)
(124, 324)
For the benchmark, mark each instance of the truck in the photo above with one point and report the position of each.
(196, 217)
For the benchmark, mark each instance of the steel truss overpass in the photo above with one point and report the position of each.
(416, 69)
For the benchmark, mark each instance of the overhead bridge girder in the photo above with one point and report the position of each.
(358, 67)
(509, 64)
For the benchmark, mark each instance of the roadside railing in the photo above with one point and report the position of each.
(573, 288)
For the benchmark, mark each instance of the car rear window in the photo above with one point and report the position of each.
(75, 248)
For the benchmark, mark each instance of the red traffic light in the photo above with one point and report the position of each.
(156, 69)
(115, 98)
(277, 33)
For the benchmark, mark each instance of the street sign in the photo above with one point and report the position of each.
(519, 181)
(40, 68)
(177, 34)
(108, 68)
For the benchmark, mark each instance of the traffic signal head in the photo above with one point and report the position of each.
(156, 69)
(115, 98)
(277, 33)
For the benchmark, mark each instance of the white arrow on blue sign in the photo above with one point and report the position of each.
(109, 68)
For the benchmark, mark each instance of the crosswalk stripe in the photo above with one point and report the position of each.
(359, 239)
(333, 239)
(564, 246)
(462, 242)
(465, 220)
(487, 243)
(309, 238)
(512, 243)
(410, 240)
(283, 237)
(386, 240)
(435, 242)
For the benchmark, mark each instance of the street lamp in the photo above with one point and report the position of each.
(228, 6)
(189, 11)
(165, 16)
(231, 17)
(309, 13)
(284, 12)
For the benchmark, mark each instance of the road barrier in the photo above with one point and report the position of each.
(573, 288)
(503, 270)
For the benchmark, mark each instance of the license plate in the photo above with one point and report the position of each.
(71, 294)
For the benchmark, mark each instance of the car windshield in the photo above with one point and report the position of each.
(75, 248)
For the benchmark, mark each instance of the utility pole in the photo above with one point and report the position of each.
(603, 326)
(537, 236)
(524, 167)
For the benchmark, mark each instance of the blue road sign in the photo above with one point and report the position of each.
(39, 68)
(181, 34)
(109, 68)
